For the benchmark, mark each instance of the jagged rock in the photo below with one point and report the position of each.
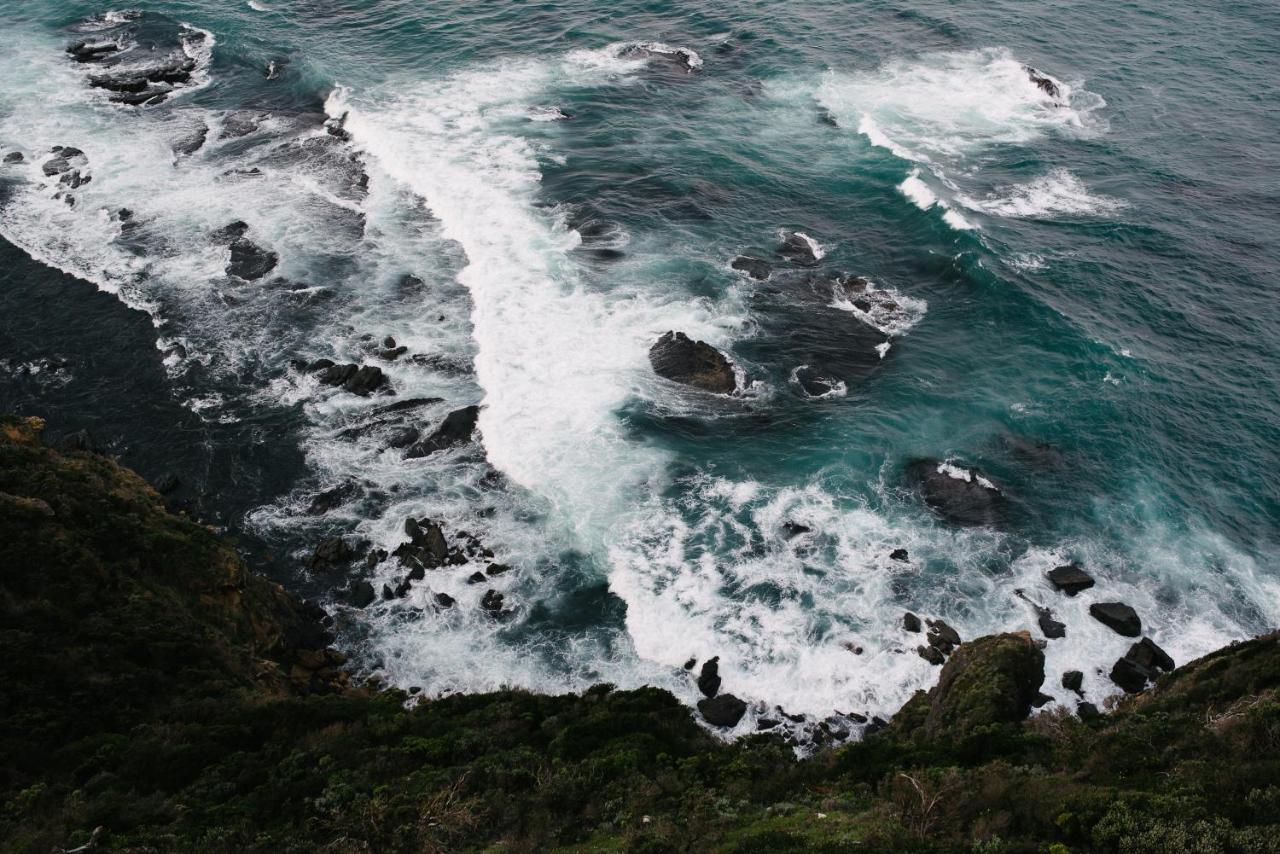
(942, 636)
(959, 495)
(362, 594)
(249, 261)
(800, 248)
(444, 600)
(1043, 82)
(1070, 579)
(83, 51)
(932, 655)
(494, 569)
(1118, 617)
(722, 711)
(476, 578)
(365, 381)
(763, 724)
(1052, 628)
(899, 555)
(456, 429)
(333, 497)
(427, 540)
(1073, 680)
(989, 680)
(694, 363)
(911, 622)
(1141, 665)
(753, 267)
(331, 553)
(709, 678)
(492, 601)
(230, 232)
(794, 529)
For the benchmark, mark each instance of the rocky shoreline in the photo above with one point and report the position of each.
(160, 696)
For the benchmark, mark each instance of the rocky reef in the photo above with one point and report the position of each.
(159, 696)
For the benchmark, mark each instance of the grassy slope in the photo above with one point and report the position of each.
(153, 686)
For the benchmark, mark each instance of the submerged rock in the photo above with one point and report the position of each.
(14, 157)
(362, 594)
(456, 429)
(753, 267)
(1043, 82)
(249, 261)
(1118, 617)
(677, 357)
(959, 495)
(800, 248)
(723, 711)
(1070, 579)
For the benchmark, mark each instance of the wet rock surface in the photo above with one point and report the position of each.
(677, 357)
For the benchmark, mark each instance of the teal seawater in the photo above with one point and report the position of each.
(1085, 292)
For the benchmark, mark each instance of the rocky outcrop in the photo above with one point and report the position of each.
(677, 357)
(456, 429)
(991, 680)
(959, 495)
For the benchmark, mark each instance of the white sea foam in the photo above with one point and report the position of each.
(942, 111)
(1057, 193)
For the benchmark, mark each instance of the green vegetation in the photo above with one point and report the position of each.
(154, 687)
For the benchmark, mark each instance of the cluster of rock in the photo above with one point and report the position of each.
(941, 639)
(427, 549)
(137, 67)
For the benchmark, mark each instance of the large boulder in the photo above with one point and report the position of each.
(1118, 617)
(959, 495)
(991, 680)
(1070, 579)
(694, 363)
(709, 678)
(456, 429)
(722, 711)
(1144, 661)
(249, 261)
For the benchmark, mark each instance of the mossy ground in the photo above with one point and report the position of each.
(151, 686)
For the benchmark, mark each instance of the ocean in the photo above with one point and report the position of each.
(1064, 215)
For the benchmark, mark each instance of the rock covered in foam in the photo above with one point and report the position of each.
(1044, 82)
(959, 495)
(682, 57)
(679, 358)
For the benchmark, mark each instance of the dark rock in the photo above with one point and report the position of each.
(690, 664)
(1141, 665)
(55, 166)
(1041, 700)
(14, 157)
(167, 483)
(900, 554)
(794, 529)
(240, 124)
(943, 636)
(75, 179)
(318, 365)
(1070, 579)
(693, 363)
(402, 405)
(877, 724)
(230, 232)
(969, 499)
(763, 724)
(1052, 628)
(492, 601)
(681, 57)
(456, 429)
(402, 437)
(1043, 82)
(799, 248)
(1088, 711)
(709, 678)
(444, 600)
(392, 353)
(476, 578)
(331, 553)
(1073, 680)
(331, 498)
(337, 374)
(375, 557)
(1118, 617)
(192, 141)
(249, 261)
(753, 267)
(813, 383)
(1147, 653)
(365, 381)
(496, 569)
(428, 538)
(931, 655)
(387, 592)
(84, 51)
(362, 594)
(723, 711)
(911, 622)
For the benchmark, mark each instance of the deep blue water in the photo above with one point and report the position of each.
(1076, 290)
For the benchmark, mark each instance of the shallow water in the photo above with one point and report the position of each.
(1075, 294)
